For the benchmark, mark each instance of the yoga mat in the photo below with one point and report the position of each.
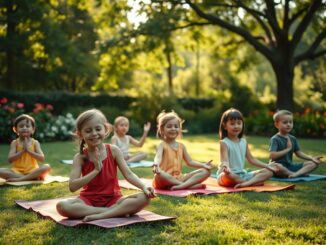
(2, 181)
(310, 177)
(66, 161)
(211, 188)
(48, 179)
(143, 163)
(47, 208)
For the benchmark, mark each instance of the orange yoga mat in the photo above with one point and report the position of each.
(211, 188)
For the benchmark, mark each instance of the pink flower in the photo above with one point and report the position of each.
(3, 100)
(20, 105)
(49, 107)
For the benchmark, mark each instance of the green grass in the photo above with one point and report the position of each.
(287, 217)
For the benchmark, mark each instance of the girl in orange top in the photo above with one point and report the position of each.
(170, 154)
(24, 153)
(94, 170)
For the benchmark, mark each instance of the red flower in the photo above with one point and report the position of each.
(307, 110)
(11, 109)
(3, 100)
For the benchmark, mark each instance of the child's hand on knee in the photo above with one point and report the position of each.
(149, 191)
(317, 159)
(208, 165)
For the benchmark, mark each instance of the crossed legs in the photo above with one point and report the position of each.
(125, 206)
(137, 157)
(230, 179)
(39, 173)
(192, 180)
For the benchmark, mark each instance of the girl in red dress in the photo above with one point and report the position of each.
(95, 171)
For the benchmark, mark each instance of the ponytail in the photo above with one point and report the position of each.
(81, 147)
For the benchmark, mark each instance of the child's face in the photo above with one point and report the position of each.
(24, 128)
(284, 124)
(122, 127)
(93, 132)
(171, 129)
(233, 127)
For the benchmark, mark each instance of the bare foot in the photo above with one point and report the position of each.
(238, 186)
(195, 186)
(174, 188)
(91, 217)
(14, 179)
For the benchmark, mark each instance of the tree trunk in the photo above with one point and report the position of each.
(197, 69)
(169, 72)
(284, 78)
(10, 56)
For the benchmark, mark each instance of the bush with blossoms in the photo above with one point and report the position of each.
(48, 126)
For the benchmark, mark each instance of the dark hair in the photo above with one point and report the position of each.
(230, 114)
(24, 117)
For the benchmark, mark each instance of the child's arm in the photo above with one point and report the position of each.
(224, 158)
(278, 154)
(128, 174)
(75, 180)
(38, 153)
(114, 140)
(302, 155)
(195, 164)
(257, 162)
(140, 143)
(158, 159)
(13, 155)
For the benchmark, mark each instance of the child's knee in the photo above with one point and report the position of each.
(268, 173)
(226, 180)
(46, 166)
(206, 172)
(62, 208)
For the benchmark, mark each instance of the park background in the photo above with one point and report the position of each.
(199, 58)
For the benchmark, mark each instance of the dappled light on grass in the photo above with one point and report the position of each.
(292, 217)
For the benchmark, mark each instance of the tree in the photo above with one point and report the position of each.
(274, 28)
(46, 45)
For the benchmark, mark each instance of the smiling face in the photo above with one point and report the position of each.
(284, 124)
(24, 128)
(93, 131)
(171, 129)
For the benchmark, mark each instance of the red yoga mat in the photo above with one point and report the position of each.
(211, 188)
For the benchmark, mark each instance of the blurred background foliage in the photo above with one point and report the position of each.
(136, 58)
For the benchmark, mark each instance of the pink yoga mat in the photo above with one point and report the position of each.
(211, 188)
(47, 208)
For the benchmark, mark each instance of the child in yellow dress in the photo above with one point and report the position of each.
(24, 153)
(169, 157)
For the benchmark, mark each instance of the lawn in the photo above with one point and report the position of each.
(287, 217)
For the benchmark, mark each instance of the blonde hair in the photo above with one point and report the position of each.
(85, 117)
(118, 120)
(162, 120)
(278, 114)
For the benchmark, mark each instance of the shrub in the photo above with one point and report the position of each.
(8, 112)
(48, 127)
